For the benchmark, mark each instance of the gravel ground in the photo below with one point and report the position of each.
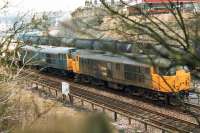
(123, 125)
(75, 113)
(142, 104)
(163, 110)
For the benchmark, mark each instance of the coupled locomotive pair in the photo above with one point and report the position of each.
(113, 71)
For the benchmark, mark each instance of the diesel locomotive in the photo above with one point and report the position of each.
(114, 71)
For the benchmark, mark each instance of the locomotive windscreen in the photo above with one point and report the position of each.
(172, 70)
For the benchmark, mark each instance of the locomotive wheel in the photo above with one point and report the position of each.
(77, 79)
(174, 100)
(127, 90)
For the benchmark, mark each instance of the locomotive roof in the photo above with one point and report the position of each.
(47, 49)
(143, 60)
(106, 56)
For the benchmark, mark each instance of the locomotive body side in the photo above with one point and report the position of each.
(46, 56)
(32, 56)
(114, 69)
(124, 72)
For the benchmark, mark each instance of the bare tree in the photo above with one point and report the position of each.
(173, 36)
(12, 109)
(176, 34)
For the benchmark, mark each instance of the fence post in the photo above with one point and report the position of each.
(36, 86)
(129, 121)
(92, 106)
(103, 109)
(163, 131)
(49, 91)
(71, 99)
(145, 126)
(115, 116)
(56, 93)
(82, 102)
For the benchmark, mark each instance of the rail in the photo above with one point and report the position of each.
(132, 112)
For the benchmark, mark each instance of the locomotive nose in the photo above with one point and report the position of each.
(176, 82)
(182, 80)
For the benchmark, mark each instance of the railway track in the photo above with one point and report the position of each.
(194, 109)
(148, 115)
(121, 107)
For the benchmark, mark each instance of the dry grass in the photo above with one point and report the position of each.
(22, 110)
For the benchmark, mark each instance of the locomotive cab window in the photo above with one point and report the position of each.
(166, 71)
(71, 51)
(70, 54)
(182, 68)
(172, 70)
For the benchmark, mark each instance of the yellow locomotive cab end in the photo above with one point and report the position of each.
(73, 64)
(171, 84)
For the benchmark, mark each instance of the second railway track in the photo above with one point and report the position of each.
(121, 107)
(129, 109)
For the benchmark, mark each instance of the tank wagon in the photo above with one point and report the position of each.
(119, 72)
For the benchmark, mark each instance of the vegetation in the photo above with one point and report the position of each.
(173, 36)
(20, 110)
(13, 106)
(179, 35)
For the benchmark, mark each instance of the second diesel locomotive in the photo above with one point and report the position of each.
(116, 71)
